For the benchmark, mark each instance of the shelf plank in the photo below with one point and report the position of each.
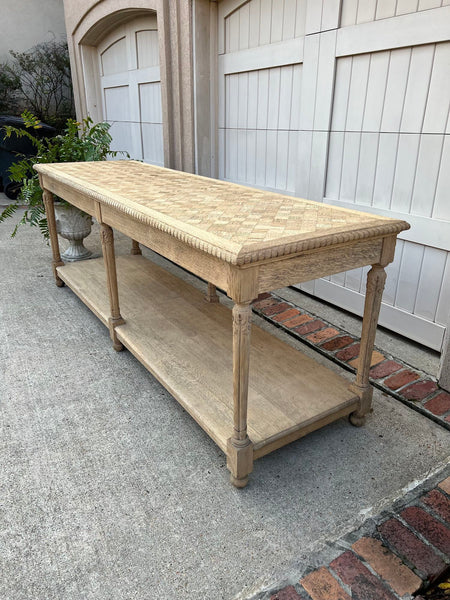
(186, 343)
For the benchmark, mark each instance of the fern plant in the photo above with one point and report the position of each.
(79, 142)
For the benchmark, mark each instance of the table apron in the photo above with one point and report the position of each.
(318, 263)
(200, 263)
(74, 197)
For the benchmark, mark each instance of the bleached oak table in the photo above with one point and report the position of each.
(251, 394)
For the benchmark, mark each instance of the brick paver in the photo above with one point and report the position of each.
(337, 343)
(431, 529)
(445, 485)
(439, 405)
(297, 321)
(384, 369)
(259, 304)
(407, 544)
(321, 585)
(348, 353)
(361, 581)
(323, 334)
(309, 327)
(439, 503)
(264, 296)
(388, 566)
(275, 309)
(394, 382)
(286, 315)
(419, 390)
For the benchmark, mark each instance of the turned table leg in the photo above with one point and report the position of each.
(239, 447)
(211, 294)
(374, 291)
(54, 242)
(135, 248)
(107, 239)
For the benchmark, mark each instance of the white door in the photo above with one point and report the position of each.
(347, 102)
(131, 89)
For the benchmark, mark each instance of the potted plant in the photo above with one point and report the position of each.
(79, 142)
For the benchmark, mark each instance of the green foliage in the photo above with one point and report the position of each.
(79, 142)
(39, 79)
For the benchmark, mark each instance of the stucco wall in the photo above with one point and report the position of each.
(25, 24)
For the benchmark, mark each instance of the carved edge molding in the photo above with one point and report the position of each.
(243, 256)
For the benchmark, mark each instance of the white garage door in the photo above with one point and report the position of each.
(131, 89)
(347, 102)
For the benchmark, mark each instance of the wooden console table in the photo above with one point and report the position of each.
(245, 242)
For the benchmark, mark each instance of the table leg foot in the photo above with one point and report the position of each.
(239, 483)
(211, 295)
(58, 281)
(365, 394)
(239, 460)
(356, 419)
(113, 323)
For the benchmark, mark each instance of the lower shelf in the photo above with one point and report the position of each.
(186, 343)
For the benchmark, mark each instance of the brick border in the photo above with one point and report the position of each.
(416, 389)
(406, 552)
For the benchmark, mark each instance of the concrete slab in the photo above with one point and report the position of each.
(111, 491)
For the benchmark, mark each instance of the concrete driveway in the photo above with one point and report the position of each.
(110, 491)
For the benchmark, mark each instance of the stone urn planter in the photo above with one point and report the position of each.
(73, 225)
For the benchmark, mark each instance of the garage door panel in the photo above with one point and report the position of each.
(114, 58)
(152, 138)
(125, 138)
(117, 103)
(427, 171)
(392, 271)
(436, 116)
(417, 93)
(261, 22)
(264, 158)
(385, 172)
(409, 274)
(363, 11)
(349, 160)
(443, 308)
(367, 164)
(150, 101)
(431, 275)
(441, 207)
(260, 146)
(407, 153)
(373, 107)
(357, 92)
(147, 48)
